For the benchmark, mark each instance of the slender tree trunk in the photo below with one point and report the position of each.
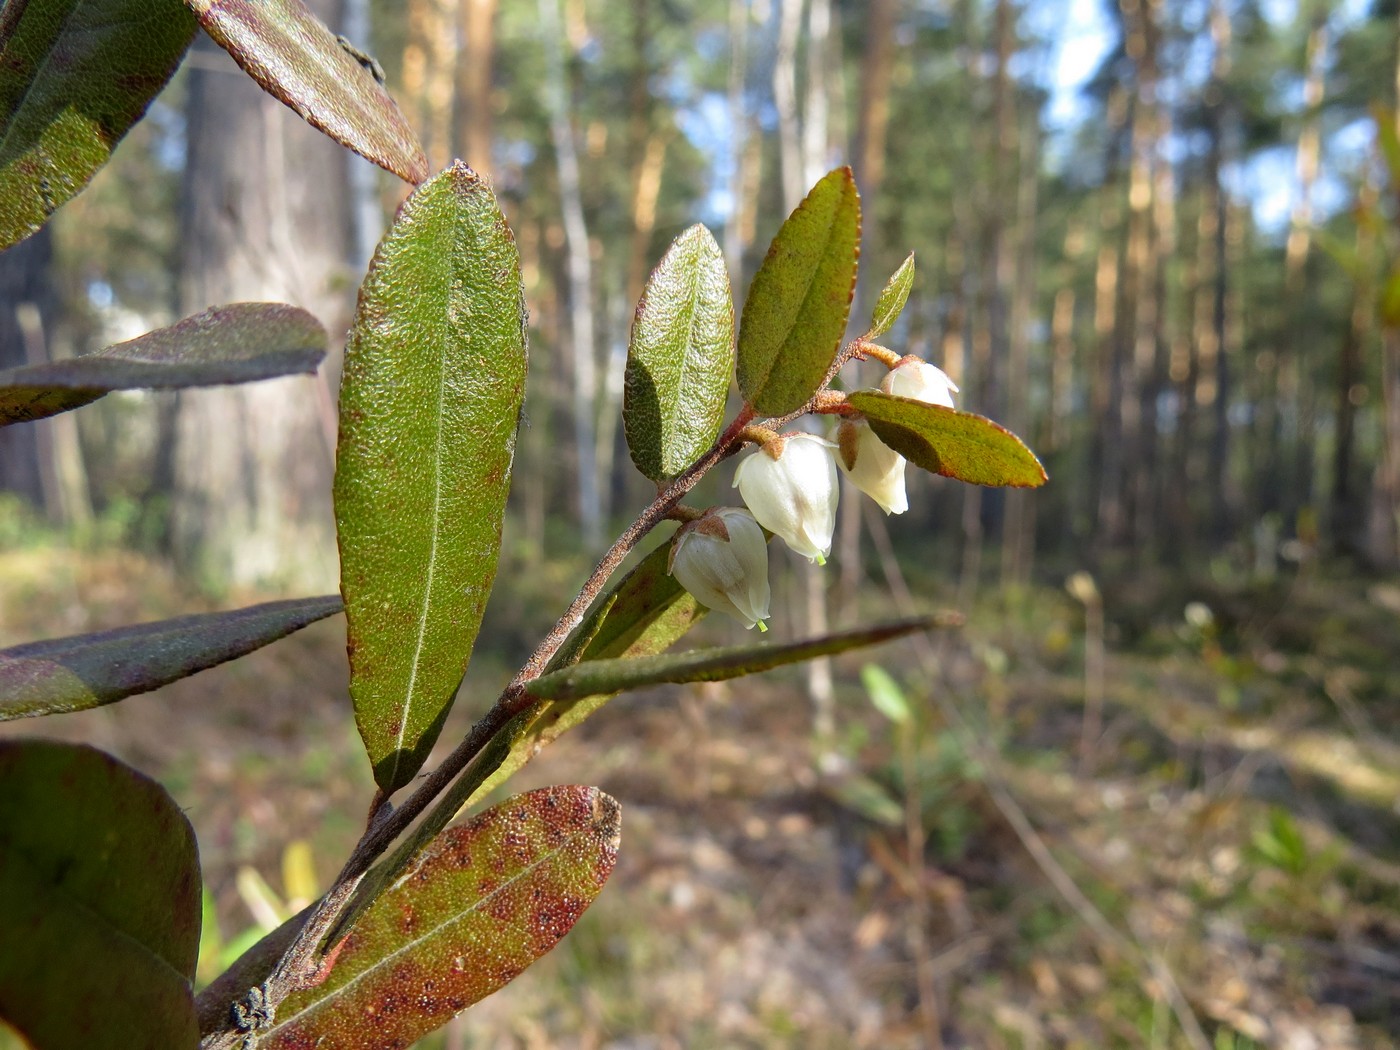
(1296, 389)
(1217, 479)
(815, 140)
(26, 289)
(1106, 435)
(736, 186)
(580, 341)
(1018, 528)
(366, 210)
(1057, 432)
(1384, 538)
(1347, 517)
(989, 339)
(785, 100)
(430, 60)
(873, 116)
(1384, 545)
(476, 27)
(1138, 328)
(816, 109)
(646, 156)
(265, 216)
(1159, 335)
(868, 159)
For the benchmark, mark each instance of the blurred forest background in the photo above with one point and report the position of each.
(1149, 796)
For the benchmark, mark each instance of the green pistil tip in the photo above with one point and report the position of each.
(762, 627)
(821, 559)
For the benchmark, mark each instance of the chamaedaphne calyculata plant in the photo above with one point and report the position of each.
(99, 873)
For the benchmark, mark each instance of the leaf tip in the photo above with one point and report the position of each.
(607, 819)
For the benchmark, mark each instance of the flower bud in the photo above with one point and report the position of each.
(921, 381)
(722, 559)
(790, 485)
(874, 467)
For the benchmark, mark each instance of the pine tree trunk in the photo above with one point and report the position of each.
(476, 26)
(1105, 403)
(785, 101)
(580, 343)
(264, 216)
(430, 60)
(1018, 528)
(1296, 387)
(1346, 516)
(1218, 461)
(868, 160)
(26, 289)
(739, 136)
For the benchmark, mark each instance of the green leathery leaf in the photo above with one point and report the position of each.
(75, 75)
(328, 83)
(643, 614)
(795, 313)
(592, 677)
(89, 670)
(477, 907)
(680, 358)
(237, 343)
(99, 903)
(892, 298)
(957, 445)
(429, 400)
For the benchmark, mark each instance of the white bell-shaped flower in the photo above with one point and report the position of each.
(874, 467)
(921, 381)
(790, 485)
(722, 559)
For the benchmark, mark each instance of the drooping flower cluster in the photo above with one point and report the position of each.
(789, 485)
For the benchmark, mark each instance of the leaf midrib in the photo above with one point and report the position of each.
(688, 358)
(445, 336)
(593, 824)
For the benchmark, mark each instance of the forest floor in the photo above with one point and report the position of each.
(1223, 869)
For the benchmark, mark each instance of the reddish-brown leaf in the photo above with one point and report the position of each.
(481, 904)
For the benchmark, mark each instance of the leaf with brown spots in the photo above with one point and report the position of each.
(99, 903)
(481, 904)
